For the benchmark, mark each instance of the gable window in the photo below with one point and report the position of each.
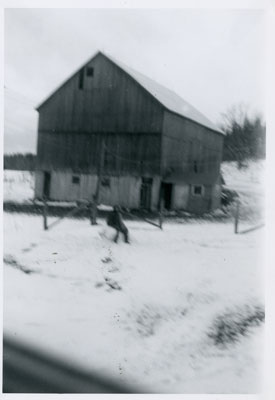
(197, 190)
(90, 71)
(75, 179)
(81, 79)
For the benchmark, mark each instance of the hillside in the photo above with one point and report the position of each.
(248, 182)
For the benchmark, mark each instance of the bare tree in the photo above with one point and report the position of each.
(245, 134)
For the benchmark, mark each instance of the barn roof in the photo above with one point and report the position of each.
(169, 99)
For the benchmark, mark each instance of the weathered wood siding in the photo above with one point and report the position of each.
(38, 184)
(124, 153)
(191, 152)
(183, 198)
(192, 155)
(123, 191)
(180, 196)
(73, 119)
(201, 204)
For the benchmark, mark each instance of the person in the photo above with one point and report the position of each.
(115, 221)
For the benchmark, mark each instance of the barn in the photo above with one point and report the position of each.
(112, 129)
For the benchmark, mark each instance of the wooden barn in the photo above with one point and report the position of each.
(143, 140)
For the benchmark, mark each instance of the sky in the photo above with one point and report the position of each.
(212, 58)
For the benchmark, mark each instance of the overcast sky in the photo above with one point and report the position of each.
(211, 58)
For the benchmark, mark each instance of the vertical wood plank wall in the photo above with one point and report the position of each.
(184, 144)
(124, 190)
(185, 141)
(73, 121)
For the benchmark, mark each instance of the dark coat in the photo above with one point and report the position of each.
(115, 221)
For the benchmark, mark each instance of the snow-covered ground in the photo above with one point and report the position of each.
(18, 186)
(148, 314)
(249, 183)
(177, 311)
(249, 178)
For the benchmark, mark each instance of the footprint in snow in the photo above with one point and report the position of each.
(32, 245)
(106, 260)
(113, 269)
(112, 284)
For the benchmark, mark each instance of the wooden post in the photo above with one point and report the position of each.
(93, 211)
(160, 202)
(237, 214)
(45, 214)
(161, 214)
(90, 212)
(99, 179)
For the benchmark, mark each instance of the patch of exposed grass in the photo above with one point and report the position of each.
(147, 320)
(231, 326)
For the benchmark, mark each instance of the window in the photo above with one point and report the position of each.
(197, 190)
(76, 179)
(81, 79)
(147, 181)
(105, 182)
(90, 71)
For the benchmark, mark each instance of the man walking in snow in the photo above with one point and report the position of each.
(115, 221)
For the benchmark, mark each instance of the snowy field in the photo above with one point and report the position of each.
(177, 311)
(18, 186)
(149, 314)
(249, 183)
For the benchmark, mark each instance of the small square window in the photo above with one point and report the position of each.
(90, 71)
(147, 181)
(197, 190)
(105, 182)
(75, 179)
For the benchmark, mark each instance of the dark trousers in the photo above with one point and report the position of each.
(124, 231)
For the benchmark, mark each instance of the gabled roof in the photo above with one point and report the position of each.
(169, 99)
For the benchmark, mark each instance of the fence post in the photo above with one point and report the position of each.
(93, 212)
(161, 214)
(45, 214)
(237, 215)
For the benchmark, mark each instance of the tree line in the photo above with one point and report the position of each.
(21, 162)
(245, 135)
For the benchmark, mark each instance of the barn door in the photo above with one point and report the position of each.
(146, 193)
(167, 189)
(47, 184)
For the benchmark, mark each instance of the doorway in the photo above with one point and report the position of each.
(47, 184)
(167, 190)
(146, 193)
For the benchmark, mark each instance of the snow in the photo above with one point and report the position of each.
(250, 177)
(154, 331)
(18, 186)
(249, 183)
(145, 313)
